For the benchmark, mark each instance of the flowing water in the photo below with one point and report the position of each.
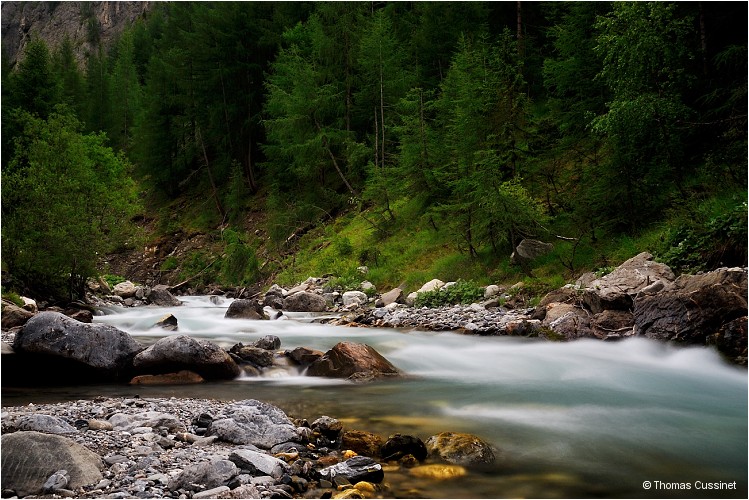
(576, 419)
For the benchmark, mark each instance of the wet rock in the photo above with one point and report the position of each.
(327, 426)
(257, 463)
(81, 351)
(14, 316)
(349, 493)
(354, 470)
(205, 475)
(399, 445)
(245, 309)
(460, 449)
(160, 295)
(304, 355)
(180, 352)
(617, 289)
(362, 442)
(439, 471)
(254, 355)
(182, 377)
(268, 342)
(168, 322)
(45, 423)
(125, 289)
(354, 361)
(254, 422)
(611, 324)
(305, 302)
(731, 340)
(30, 458)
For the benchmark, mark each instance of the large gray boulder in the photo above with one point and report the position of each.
(161, 296)
(78, 350)
(353, 361)
(180, 352)
(48, 424)
(695, 308)
(29, 458)
(305, 302)
(254, 422)
(245, 309)
(617, 289)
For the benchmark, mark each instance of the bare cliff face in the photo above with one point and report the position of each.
(85, 23)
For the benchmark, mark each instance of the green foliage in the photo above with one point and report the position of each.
(461, 292)
(113, 279)
(67, 200)
(349, 279)
(14, 298)
(169, 264)
(239, 265)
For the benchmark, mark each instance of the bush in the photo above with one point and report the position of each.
(239, 265)
(113, 279)
(462, 292)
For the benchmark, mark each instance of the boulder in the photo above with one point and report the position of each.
(354, 297)
(253, 355)
(491, 291)
(694, 308)
(611, 324)
(328, 426)
(245, 309)
(125, 289)
(305, 302)
(431, 286)
(205, 475)
(78, 351)
(461, 449)
(355, 469)
(168, 322)
(29, 459)
(617, 289)
(180, 378)
(393, 296)
(529, 249)
(731, 340)
(399, 445)
(362, 442)
(258, 463)
(152, 419)
(254, 422)
(45, 423)
(268, 342)
(180, 352)
(161, 296)
(14, 316)
(304, 355)
(354, 361)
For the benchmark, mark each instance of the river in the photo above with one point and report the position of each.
(570, 420)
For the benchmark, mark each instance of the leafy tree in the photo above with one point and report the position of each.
(67, 199)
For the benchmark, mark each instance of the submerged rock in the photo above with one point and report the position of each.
(354, 470)
(354, 361)
(461, 449)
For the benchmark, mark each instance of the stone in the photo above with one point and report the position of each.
(304, 355)
(393, 296)
(355, 469)
(400, 445)
(82, 315)
(241, 492)
(254, 422)
(182, 377)
(245, 309)
(349, 493)
(268, 342)
(257, 463)
(327, 426)
(411, 298)
(354, 361)
(431, 286)
(217, 472)
(45, 423)
(168, 322)
(254, 355)
(610, 324)
(160, 295)
(152, 419)
(731, 340)
(362, 442)
(438, 472)
(57, 481)
(305, 302)
(617, 289)
(180, 352)
(367, 286)
(491, 291)
(125, 289)
(529, 249)
(354, 297)
(14, 316)
(82, 351)
(460, 449)
(694, 308)
(30, 458)
(212, 493)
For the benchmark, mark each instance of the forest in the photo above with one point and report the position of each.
(416, 138)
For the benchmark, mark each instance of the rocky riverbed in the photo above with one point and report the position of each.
(199, 448)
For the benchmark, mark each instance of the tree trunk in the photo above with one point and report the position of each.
(521, 48)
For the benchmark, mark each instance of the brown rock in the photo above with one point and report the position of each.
(14, 316)
(354, 361)
(362, 442)
(179, 378)
(461, 449)
(304, 355)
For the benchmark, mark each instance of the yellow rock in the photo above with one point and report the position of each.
(366, 489)
(349, 493)
(438, 471)
(349, 454)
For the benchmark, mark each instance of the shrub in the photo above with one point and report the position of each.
(462, 292)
